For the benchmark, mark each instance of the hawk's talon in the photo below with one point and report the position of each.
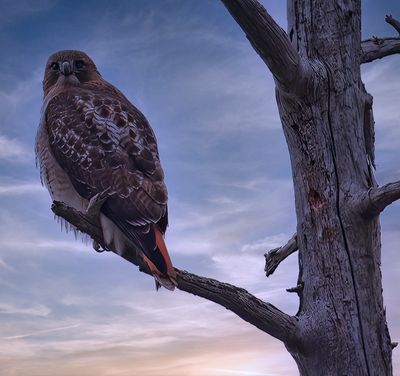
(98, 248)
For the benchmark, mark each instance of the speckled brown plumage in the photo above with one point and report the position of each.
(103, 143)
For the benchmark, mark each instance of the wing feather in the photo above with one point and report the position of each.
(103, 142)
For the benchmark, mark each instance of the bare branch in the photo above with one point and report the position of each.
(392, 21)
(84, 222)
(299, 288)
(378, 198)
(270, 41)
(275, 256)
(377, 48)
(263, 315)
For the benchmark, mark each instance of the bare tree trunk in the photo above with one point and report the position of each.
(327, 120)
(341, 317)
(326, 114)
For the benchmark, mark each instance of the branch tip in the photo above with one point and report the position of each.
(297, 289)
(392, 21)
(275, 256)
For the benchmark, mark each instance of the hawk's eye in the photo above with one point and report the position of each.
(79, 64)
(54, 66)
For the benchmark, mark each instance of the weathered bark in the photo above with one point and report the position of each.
(376, 199)
(328, 126)
(275, 256)
(392, 21)
(342, 313)
(377, 48)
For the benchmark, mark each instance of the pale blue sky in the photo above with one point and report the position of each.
(210, 99)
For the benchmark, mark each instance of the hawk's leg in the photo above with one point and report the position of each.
(93, 210)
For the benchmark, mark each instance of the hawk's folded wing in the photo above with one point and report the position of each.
(104, 143)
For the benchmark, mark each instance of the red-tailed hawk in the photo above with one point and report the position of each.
(91, 139)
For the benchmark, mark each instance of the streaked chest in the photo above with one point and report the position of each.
(52, 175)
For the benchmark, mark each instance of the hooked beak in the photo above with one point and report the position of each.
(66, 68)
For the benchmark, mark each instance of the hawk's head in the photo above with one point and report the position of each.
(69, 67)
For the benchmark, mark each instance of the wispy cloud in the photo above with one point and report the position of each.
(225, 222)
(224, 371)
(5, 266)
(35, 310)
(12, 150)
(382, 80)
(21, 188)
(266, 244)
(41, 332)
(20, 106)
(75, 245)
(12, 11)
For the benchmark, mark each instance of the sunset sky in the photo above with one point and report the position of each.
(66, 310)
